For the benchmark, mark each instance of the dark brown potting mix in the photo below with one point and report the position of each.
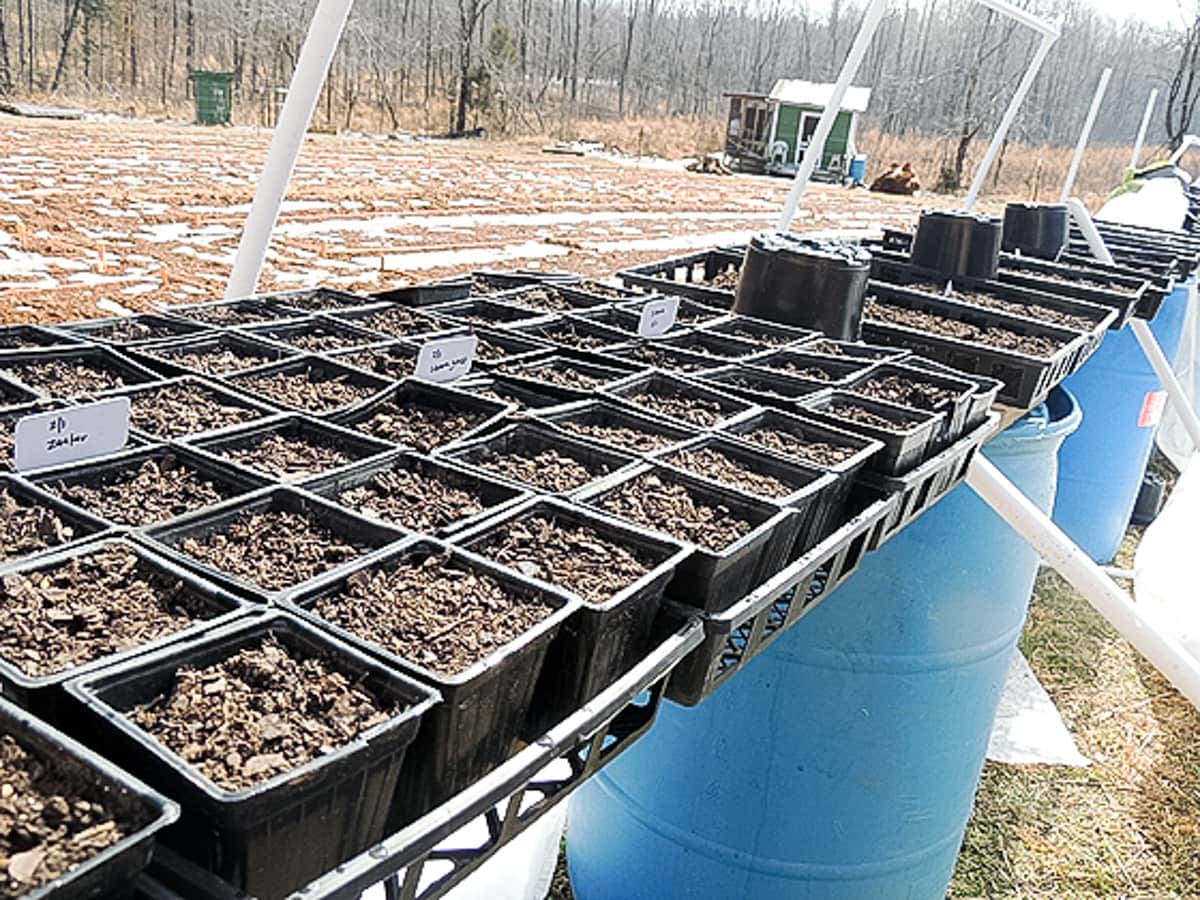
(761, 336)
(394, 362)
(8, 424)
(398, 321)
(678, 405)
(544, 299)
(233, 314)
(713, 463)
(26, 338)
(320, 337)
(65, 377)
(309, 389)
(154, 490)
(266, 710)
(218, 359)
(994, 335)
(412, 500)
(89, 607)
(433, 613)
(856, 413)
(648, 354)
(272, 549)
(821, 453)
(905, 391)
(287, 456)
(571, 335)
(131, 331)
(560, 373)
(547, 469)
(575, 557)
(54, 816)
(625, 436)
(1029, 310)
(419, 425)
(175, 410)
(318, 300)
(663, 504)
(27, 527)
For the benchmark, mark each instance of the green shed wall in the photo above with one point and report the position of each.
(789, 126)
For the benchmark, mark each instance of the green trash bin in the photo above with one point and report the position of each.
(213, 92)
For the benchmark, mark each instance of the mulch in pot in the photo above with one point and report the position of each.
(905, 391)
(777, 440)
(175, 410)
(265, 711)
(419, 425)
(677, 405)
(547, 469)
(853, 412)
(433, 613)
(217, 360)
(411, 500)
(320, 337)
(27, 527)
(712, 463)
(288, 456)
(65, 377)
(658, 502)
(308, 389)
(624, 436)
(398, 321)
(558, 373)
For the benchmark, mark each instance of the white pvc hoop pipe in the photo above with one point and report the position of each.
(1086, 134)
(1141, 135)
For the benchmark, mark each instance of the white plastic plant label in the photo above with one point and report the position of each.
(71, 435)
(658, 317)
(446, 359)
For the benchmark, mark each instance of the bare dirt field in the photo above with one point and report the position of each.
(99, 215)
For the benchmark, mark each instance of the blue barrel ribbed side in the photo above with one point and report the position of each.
(1101, 465)
(842, 763)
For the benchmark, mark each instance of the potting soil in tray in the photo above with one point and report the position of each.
(176, 410)
(398, 321)
(7, 443)
(432, 613)
(130, 331)
(560, 374)
(832, 348)
(649, 355)
(418, 425)
(156, 490)
(547, 469)
(412, 500)
(64, 377)
(265, 711)
(217, 360)
(288, 456)
(545, 299)
(25, 337)
(53, 818)
(568, 334)
(390, 362)
(308, 389)
(746, 333)
(29, 527)
(273, 549)
(321, 338)
(821, 453)
(667, 506)
(487, 351)
(1108, 286)
(89, 607)
(574, 557)
(712, 463)
(620, 436)
(727, 280)
(231, 315)
(317, 300)
(905, 391)
(677, 405)
(853, 413)
(1028, 310)
(992, 336)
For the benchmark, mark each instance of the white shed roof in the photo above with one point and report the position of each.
(794, 92)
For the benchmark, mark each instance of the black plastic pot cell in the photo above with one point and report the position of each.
(34, 522)
(614, 425)
(316, 334)
(654, 354)
(36, 681)
(33, 337)
(574, 333)
(320, 447)
(982, 400)
(212, 355)
(70, 372)
(718, 345)
(122, 491)
(570, 377)
(691, 314)
(9, 417)
(487, 282)
(184, 540)
(273, 837)
(806, 283)
(391, 321)
(610, 293)
(394, 360)
(907, 434)
(311, 384)
(760, 331)
(424, 416)
(711, 578)
(87, 776)
(765, 387)
(316, 300)
(1122, 294)
(480, 311)
(611, 317)
(428, 293)
(484, 706)
(13, 394)
(132, 331)
(955, 243)
(815, 367)
(923, 390)
(515, 393)
(607, 634)
(853, 351)
(548, 298)
(418, 493)
(1160, 279)
(232, 313)
(189, 406)
(1040, 230)
(528, 441)
(497, 347)
(710, 276)
(678, 399)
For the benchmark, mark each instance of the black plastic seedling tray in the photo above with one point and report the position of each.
(515, 392)
(483, 708)
(733, 638)
(653, 354)
(231, 313)
(909, 443)
(956, 408)
(217, 391)
(112, 873)
(611, 317)
(493, 495)
(161, 357)
(498, 347)
(488, 282)
(271, 838)
(14, 394)
(766, 387)
(82, 525)
(818, 367)
(982, 400)
(169, 538)
(229, 480)
(1120, 293)
(530, 373)
(428, 293)
(99, 358)
(858, 351)
(357, 447)
(690, 315)
(369, 387)
(484, 412)
(660, 383)
(709, 580)
(132, 331)
(483, 311)
(574, 333)
(579, 417)
(316, 334)
(562, 298)
(33, 337)
(601, 641)
(316, 300)
(1160, 279)
(9, 417)
(713, 344)
(765, 333)
(410, 324)
(43, 694)
(394, 360)
(688, 276)
(527, 439)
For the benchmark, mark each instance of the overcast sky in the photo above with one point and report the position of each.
(1160, 12)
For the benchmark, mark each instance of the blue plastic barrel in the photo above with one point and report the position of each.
(1101, 465)
(842, 763)
(858, 168)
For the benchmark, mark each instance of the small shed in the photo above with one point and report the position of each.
(770, 132)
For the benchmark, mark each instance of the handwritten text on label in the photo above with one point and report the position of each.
(70, 435)
(658, 317)
(446, 359)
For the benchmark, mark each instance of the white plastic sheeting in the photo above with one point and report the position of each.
(1167, 567)
(1028, 729)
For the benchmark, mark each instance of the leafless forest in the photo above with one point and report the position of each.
(940, 68)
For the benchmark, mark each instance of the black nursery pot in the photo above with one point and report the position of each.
(957, 244)
(805, 283)
(1036, 229)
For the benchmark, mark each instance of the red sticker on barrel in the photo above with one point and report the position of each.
(1152, 409)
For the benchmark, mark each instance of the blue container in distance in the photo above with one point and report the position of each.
(843, 762)
(1101, 465)
(858, 168)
